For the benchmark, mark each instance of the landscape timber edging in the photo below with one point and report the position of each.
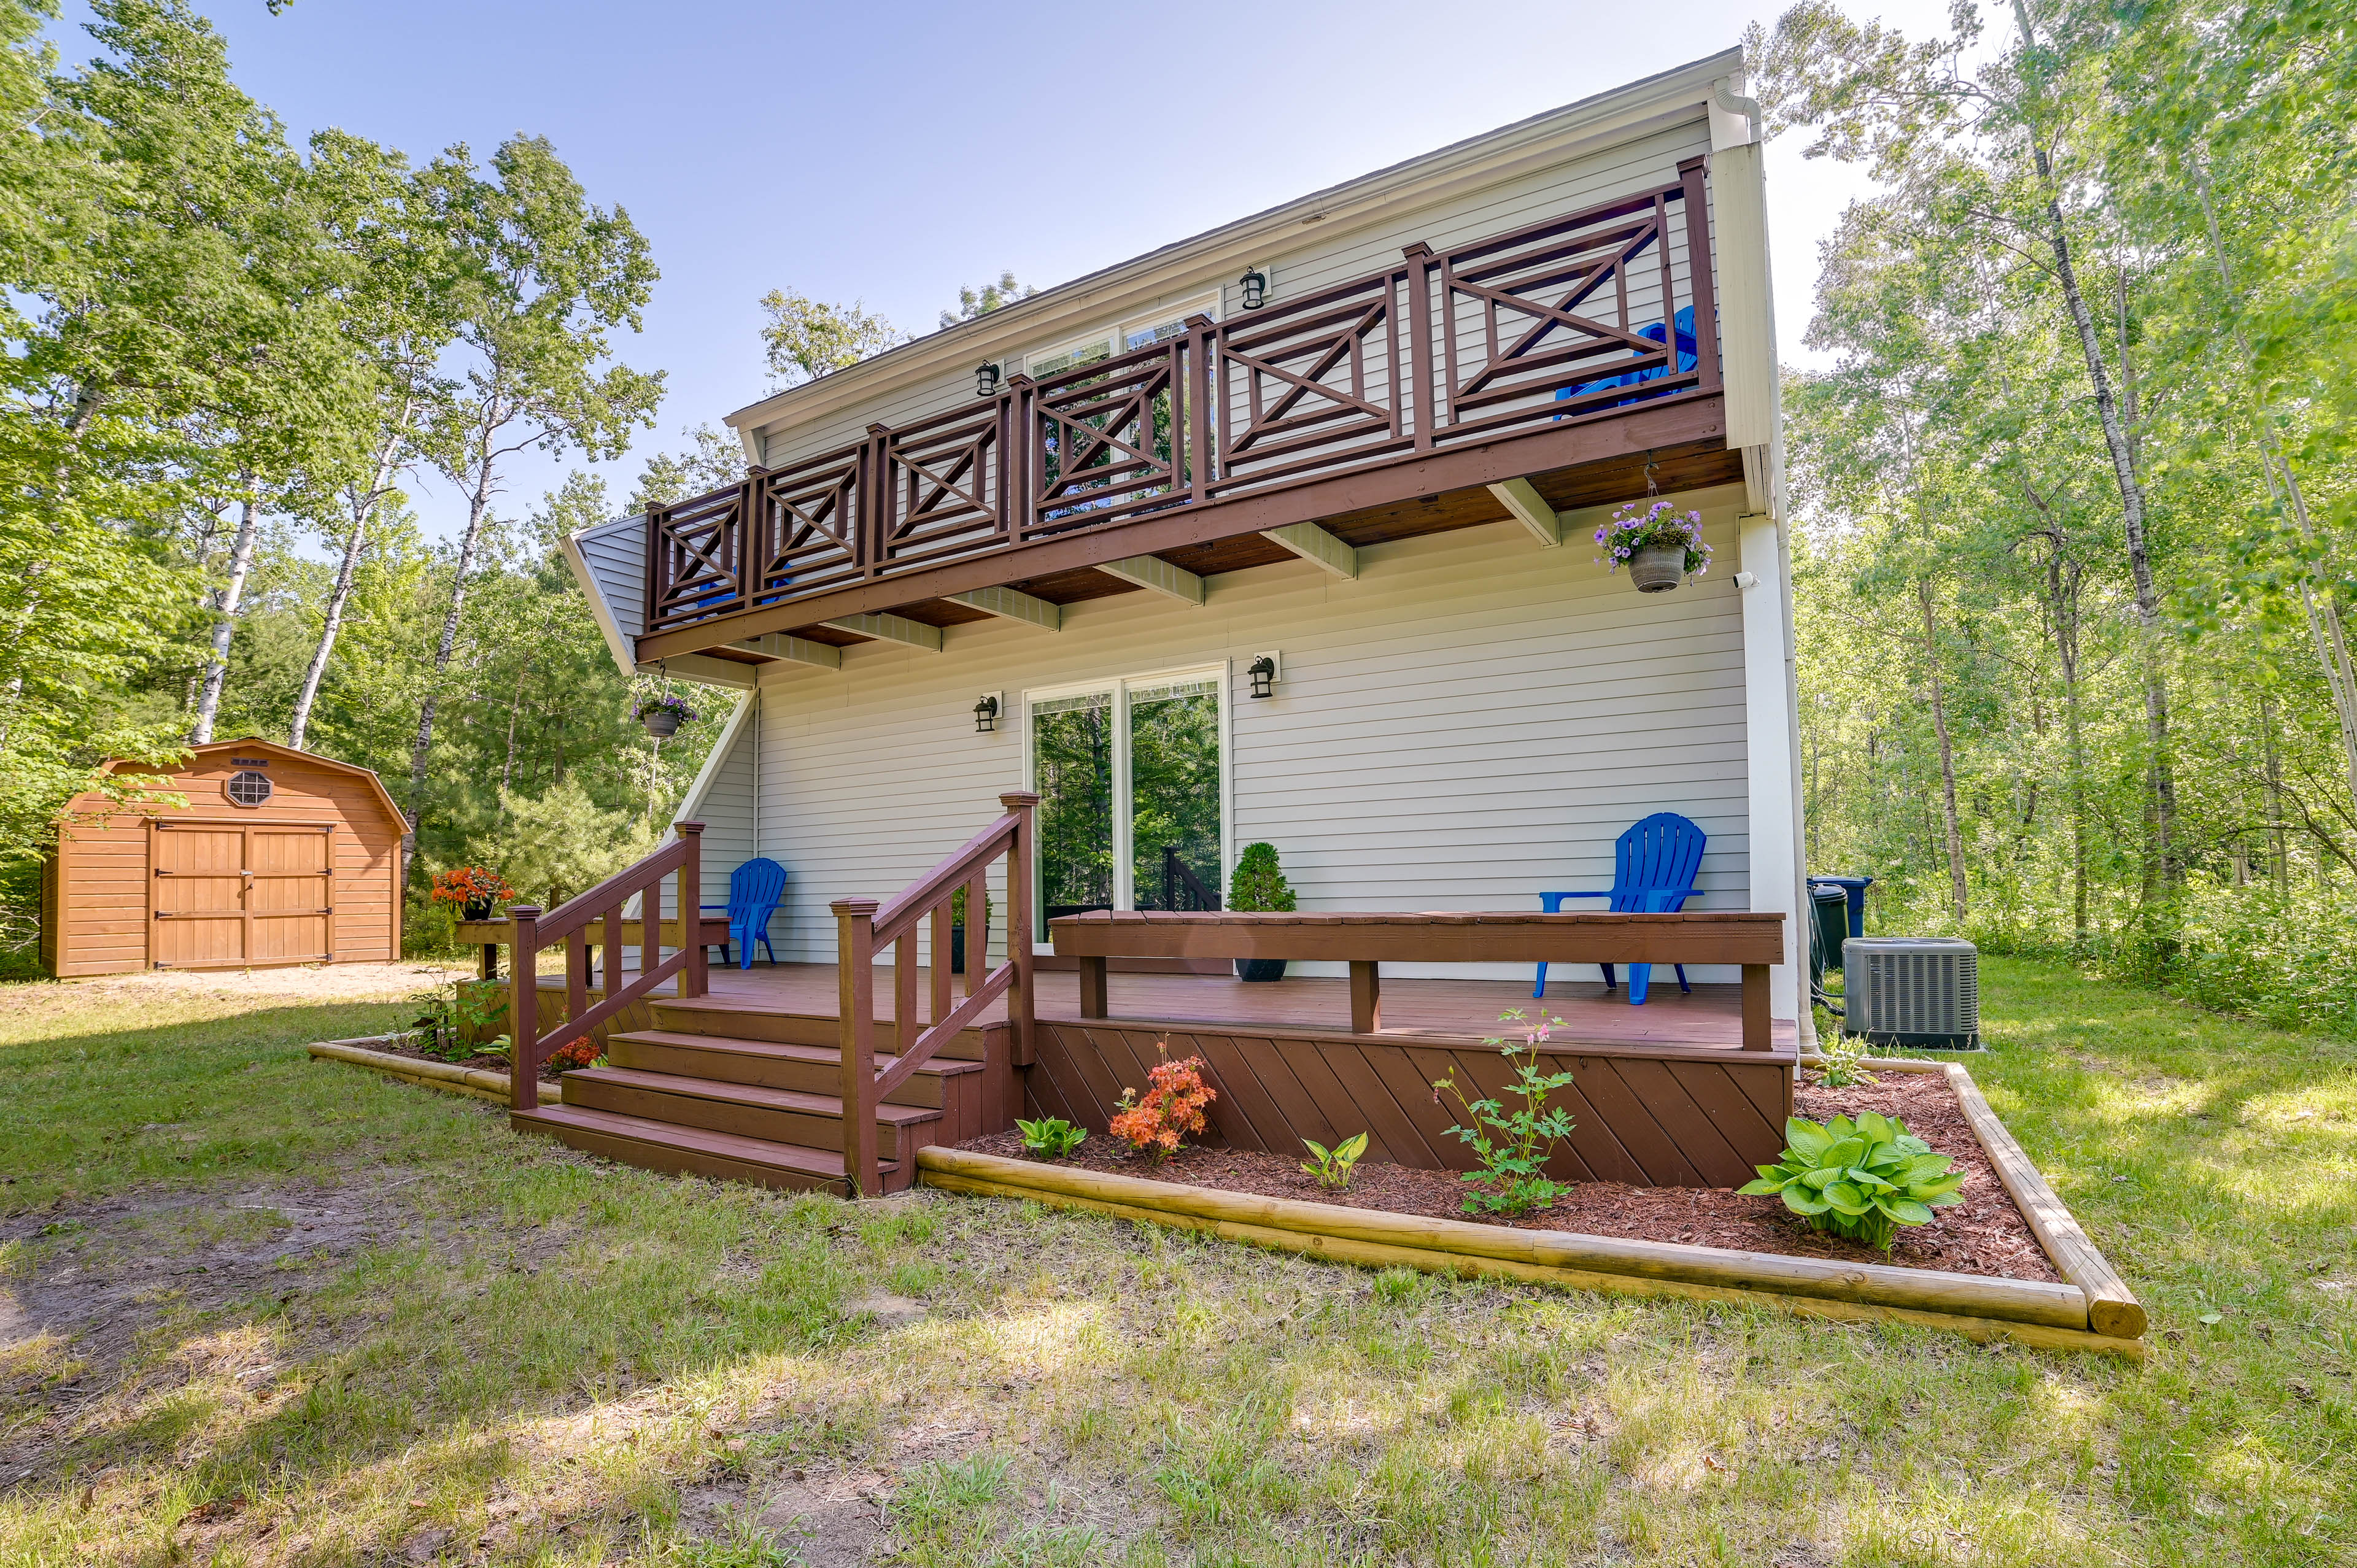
(475, 1082)
(1985, 1308)
(2112, 1308)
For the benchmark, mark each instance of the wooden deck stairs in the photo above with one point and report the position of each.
(836, 1101)
(726, 1090)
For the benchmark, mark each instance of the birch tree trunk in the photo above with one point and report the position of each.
(225, 607)
(2131, 498)
(1947, 749)
(479, 506)
(355, 544)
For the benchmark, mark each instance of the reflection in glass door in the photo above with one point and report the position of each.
(1131, 794)
(1071, 761)
(1174, 790)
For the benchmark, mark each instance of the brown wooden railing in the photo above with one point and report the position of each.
(1513, 333)
(862, 930)
(569, 923)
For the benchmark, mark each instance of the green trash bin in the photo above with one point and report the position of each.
(1832, 905)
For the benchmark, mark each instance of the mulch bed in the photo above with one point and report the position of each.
(407, 1045)
(1985, 1234)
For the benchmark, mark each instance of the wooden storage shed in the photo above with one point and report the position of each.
(280, 857)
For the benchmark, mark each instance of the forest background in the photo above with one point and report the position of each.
(2073, 507)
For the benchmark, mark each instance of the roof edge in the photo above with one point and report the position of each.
(1624, 111)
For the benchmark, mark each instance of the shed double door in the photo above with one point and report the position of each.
(226, 894)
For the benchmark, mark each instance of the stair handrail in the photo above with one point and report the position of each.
(861, 928)
(569, 923)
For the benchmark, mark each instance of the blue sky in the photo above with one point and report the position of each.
(892, 150)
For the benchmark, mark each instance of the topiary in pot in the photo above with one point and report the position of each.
(1257, 886)
(957, 928)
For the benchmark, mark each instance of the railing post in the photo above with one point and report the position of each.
(654, 566)
(694, 977)
(1022, 453)
(855, 954)
(1419, 315)
(523, 1007)
(1021, 803)
(883, 502)
(1202, 352)
(748, 540)
(1699, 278)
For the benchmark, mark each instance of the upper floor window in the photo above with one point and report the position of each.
(1120, 338)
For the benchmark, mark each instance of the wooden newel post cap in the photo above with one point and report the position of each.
(524, 911)
(853, 905)
(1019, 800)
(689, 827)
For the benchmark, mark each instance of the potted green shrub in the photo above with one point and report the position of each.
(1257, 886)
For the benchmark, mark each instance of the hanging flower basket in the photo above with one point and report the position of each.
(1660, 545)
(663, 715)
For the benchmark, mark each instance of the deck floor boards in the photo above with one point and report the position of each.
(1711, 1016)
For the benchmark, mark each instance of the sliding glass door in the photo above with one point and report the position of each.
(1132, 781)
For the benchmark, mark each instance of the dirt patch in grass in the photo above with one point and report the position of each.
(1985, 1234)
(109, 1305)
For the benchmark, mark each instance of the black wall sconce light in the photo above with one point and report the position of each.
(985, 380)
(1254, 283)
(1264, 673)
(986, 714)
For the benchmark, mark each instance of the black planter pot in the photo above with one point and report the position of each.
(476, 909)
(661, 723)
(957, 949)
(1260, 968)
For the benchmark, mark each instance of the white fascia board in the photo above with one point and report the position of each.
(1771, 746)
(891, 629)
(1681, 95)
(1317, 546)
(1152, 572)
(625, 656)
(692, 803)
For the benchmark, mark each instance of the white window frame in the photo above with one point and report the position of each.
(1125, 871)
(1115, 336)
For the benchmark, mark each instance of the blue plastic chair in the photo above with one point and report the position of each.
(754, 890)
(1689, 355)
(1653, 873)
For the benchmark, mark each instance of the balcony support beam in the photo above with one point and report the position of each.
(1317, 546)
(795, 649)
(1519, 497)
(891, 628)
(1154, 572)
(1615, 433)
(1010, 604)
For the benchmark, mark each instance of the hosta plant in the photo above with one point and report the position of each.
(1861, 1178)
(1332, 1166)
(1050, 1137)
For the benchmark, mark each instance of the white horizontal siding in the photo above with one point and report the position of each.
(1323, 259)
(1471, 720)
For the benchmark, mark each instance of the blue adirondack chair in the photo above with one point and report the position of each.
(754, 890)
(1654, 871)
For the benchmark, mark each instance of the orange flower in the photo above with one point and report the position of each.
(1171, 1108)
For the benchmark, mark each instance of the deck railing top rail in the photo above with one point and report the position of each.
(1558, 322)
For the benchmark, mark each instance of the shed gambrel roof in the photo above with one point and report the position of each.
(210, 749)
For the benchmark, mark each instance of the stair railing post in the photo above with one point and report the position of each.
(696, 977)
(854, 957)
(1021, 803)
(523, 1007)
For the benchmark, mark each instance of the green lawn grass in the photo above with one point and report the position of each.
(509, 1353)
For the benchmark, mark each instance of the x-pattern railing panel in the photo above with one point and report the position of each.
(1562, 320)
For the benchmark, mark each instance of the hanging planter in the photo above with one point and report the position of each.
(1660, 545)
(663, 715)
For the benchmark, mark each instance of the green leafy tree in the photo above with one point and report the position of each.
(807, 338)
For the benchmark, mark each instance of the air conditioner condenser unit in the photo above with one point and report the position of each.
(1912, 991)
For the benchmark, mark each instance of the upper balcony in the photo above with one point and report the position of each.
(1580, 355)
